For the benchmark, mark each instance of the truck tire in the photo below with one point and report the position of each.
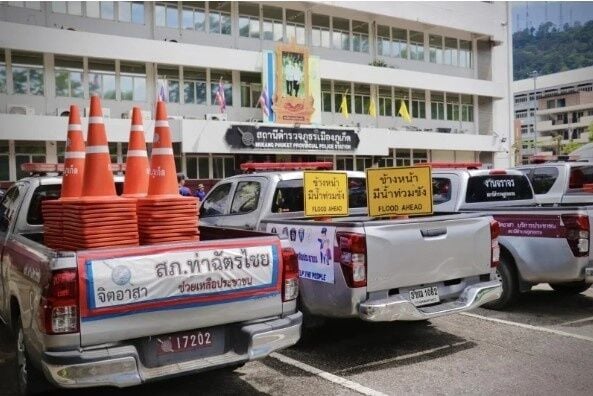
(30, 381)
(506, 274)
(570, 287)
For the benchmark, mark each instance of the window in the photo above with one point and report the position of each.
(579, 176)
(132, 81)
(363, 162)
(450, 55)
(418, 104)
(27, 73)
(194, 85)
(250, 89)
(33, 5)
(383, 40)
(320, 31)
(223, 167)
(399, 43)
(486, 188)
(2, 71)
(435, 51)
(4, 161)
(419, 156)
(197, 167)
(452, 107)
(295, 26)
(227, 83)
(219, 17)
(416, 45)
(67, 7)
(272, 23)
(467, 108)
(28, 151)
(102, 78)
(246, 198)
(326, 96)
(465, 53)
(441, 190)
(341, 89)
(193, 16)
(169, 75)
(344, 163)
(68, 76)
(360, 36)
(401, 95)
(385, 102)
(249, 20)
(341, 34)
(130, 11)
(542, 179)
(41, 194)
(437, 106)
(217, 201)
(403, 157)
(362, 98)
(107, 10)
(166, 14)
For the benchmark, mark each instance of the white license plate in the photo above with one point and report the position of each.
(424, 296)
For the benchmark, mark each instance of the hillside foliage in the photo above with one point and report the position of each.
(549, 49)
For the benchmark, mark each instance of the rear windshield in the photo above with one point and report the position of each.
(288, 196)
(579, 176)
(42, 193)
(494, 188)
(441, 190)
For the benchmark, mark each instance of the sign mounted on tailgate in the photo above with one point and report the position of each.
(162, 279)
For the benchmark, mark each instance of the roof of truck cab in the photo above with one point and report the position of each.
(290, 175)
(55, 179)
(478, 172)
(567, 164)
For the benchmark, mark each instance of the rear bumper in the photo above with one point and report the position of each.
(121, 366)
(398, 308)
(589, 274)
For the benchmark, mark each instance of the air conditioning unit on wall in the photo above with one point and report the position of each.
(216, 117)
(106, 112)
(21, 110)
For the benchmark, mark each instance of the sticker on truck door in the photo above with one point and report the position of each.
(171, 278)
(314, 246)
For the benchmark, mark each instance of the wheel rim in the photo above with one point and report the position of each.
(498, 276)
(21, 362)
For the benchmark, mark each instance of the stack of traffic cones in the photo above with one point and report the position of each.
(164, 215)
(99, 217)
(137, 166)
(71, 182)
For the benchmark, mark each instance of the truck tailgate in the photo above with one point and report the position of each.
(150, 290)
(402, 254)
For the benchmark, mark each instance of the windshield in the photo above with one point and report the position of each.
(494, 188)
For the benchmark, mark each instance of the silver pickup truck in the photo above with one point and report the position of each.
(537, 244)
(378, 270)
(560, 183)
(124, 316)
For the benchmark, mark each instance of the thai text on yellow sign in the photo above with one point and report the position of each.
(326, 194)
(399, 191)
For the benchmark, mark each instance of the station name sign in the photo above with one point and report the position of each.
(291, 138)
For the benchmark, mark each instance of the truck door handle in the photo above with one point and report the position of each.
(434, 232)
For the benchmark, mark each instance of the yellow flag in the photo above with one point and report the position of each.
(344, 106)
(372, 108)
(403, 111)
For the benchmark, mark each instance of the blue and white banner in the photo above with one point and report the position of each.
(268, 78)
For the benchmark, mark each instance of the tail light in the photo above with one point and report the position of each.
(353, 258)
(290, 274)
(494, 246)
(58, 312)
(577, 233)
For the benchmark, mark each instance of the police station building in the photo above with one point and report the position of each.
(339, 80)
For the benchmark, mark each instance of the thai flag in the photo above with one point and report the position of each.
(264, 102)
(220, 99)
(163, 94)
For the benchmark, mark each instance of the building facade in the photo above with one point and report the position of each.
(449, 62)
(554, 110)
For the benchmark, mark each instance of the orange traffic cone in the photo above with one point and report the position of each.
(164, 215)
(98, 179)
(163, 177)
(71, 181)
(137, 166)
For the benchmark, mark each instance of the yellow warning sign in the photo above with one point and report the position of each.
(399, 191)
(326, 193)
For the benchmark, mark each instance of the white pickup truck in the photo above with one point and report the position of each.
(560, 183)
(377, 270)
(537, 244)
(124, 316)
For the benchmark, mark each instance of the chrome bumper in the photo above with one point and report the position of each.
(589, 275)
(121, 366)
(398, 308)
